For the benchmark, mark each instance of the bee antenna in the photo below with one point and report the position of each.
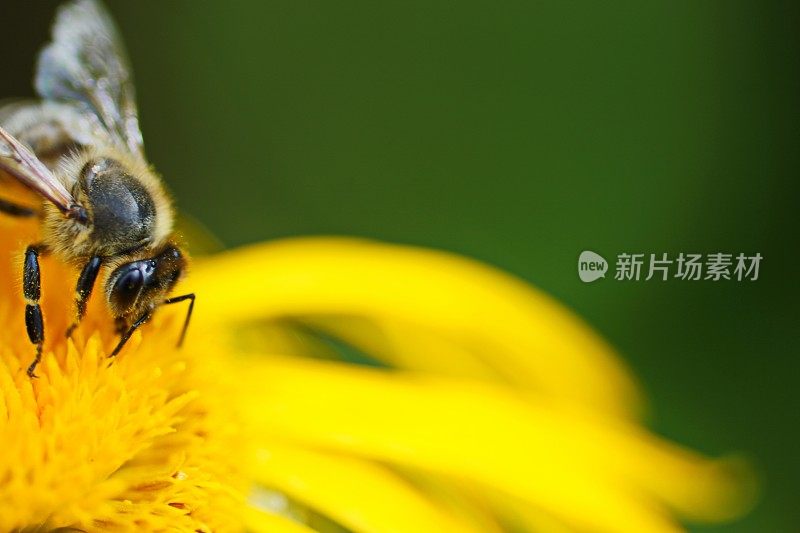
(78, 213)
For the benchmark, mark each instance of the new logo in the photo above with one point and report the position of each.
(591, 266)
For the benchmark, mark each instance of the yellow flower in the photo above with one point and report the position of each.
(479, 405)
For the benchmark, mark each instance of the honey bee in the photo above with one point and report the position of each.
(81, 150)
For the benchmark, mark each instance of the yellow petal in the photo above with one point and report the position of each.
(357, 494)
(524, 517)
(402, 345)
(584, 470)
(461, 499)
(259, 521)
(531, 339)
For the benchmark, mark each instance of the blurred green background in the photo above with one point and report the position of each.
(519, 133)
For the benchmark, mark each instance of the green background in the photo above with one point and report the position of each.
(519, 133)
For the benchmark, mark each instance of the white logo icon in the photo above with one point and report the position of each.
(591, 266)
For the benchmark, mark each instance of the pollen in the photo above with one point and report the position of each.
(143, 443)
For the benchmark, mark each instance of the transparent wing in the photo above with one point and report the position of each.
(52, 129)
(19, 162)
(86, 65)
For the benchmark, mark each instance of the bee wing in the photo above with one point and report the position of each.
(18, 161)
(52, 129)
(85, 64)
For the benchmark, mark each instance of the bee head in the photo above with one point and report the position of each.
(138, 286)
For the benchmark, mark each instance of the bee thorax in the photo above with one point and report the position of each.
(122, 210)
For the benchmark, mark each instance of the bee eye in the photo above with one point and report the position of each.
(127, 288)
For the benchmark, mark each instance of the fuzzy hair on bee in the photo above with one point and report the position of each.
(104, 209)
(126, 203)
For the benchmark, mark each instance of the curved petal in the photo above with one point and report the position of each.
(358, 494)
(259, 521)
(585, 470)
(532, 339)
(402, 345)
(525, 517)
(461, 499)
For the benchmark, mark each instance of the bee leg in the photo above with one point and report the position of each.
(32, 290)
(84, 289)
(127, 335)
(181, 298)
(15, 210)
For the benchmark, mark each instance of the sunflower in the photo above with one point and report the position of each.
(334, 384)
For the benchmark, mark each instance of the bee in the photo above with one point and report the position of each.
(80, 149)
